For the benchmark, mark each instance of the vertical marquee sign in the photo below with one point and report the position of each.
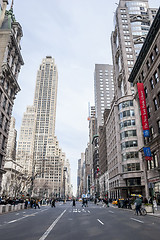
(144, 117)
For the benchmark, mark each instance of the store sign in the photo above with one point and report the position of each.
(147, 153)
(143, 108)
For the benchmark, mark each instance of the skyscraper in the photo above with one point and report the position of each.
(26, 141)
(45, 100)
(38, 147)
(104, 90)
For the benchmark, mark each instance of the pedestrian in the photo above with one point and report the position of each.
(31, 203)
(84, 202)
(138, 204)
(36, 204)
(26, 204)
(53, 202)
(155, 204)
(74, 203)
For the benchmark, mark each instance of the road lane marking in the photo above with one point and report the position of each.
(52, 226)
(88, 211)
(16, 220)
(110, 211)
(25, 216)
(134, 219)
(100, 221)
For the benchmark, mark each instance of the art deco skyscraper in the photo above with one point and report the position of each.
(45, 100)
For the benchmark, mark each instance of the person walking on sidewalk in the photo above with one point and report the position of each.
(138, 204)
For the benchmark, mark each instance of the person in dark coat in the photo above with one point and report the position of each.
(74, 202)
(53, 202)
(26, 204)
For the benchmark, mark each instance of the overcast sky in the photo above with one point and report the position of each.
(77, 34)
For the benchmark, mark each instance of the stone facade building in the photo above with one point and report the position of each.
(147, 71)
(10, 64)
(126, 174)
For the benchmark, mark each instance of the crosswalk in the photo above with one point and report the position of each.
(78, 210)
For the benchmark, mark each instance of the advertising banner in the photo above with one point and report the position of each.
(147, 153)
(143, 108)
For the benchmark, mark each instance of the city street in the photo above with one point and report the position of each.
(67, 222)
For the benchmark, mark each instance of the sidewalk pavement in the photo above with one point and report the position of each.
(155, 214)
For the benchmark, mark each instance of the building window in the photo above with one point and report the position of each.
(133, 182)
(151, 57)
(129, 155)
(146, 93)
(131, 167)
(159, 98)
(148, 64)
(154, 162)
(129, 133)
(151, 83)
(142, 74)
(4, 102)
(125, 104)
(156, 77)
(3, 142)
(155, 104)
(156, 49)
(155, 159)
(148, 111)
(128, 49)
(151, 131)
(129, 144)
(127, 43)
(158, 124)
(1, 159)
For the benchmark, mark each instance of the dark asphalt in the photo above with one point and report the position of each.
(68, 223)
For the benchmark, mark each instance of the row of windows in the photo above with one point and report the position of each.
(125, 104)
(149, 62)
(156, 105)
(152, 131)
(153, 163)
(127, 123)
(129, 144)
(128, 113)
(131, 167)
(129, 133)
(133, 182)
(155, 79)
(129, 155)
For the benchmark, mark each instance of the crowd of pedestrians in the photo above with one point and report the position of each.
(11, 201)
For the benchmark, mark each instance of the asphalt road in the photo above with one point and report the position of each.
(65, 222)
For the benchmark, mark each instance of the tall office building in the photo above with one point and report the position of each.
(10, 65)
(38, 148)
(126, 174)
(104, 90)
(132, 21)
(26, 141)
(45, 100)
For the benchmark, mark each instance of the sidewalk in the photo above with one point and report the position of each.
(155, 214)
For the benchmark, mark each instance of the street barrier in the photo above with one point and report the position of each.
(10, 208)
